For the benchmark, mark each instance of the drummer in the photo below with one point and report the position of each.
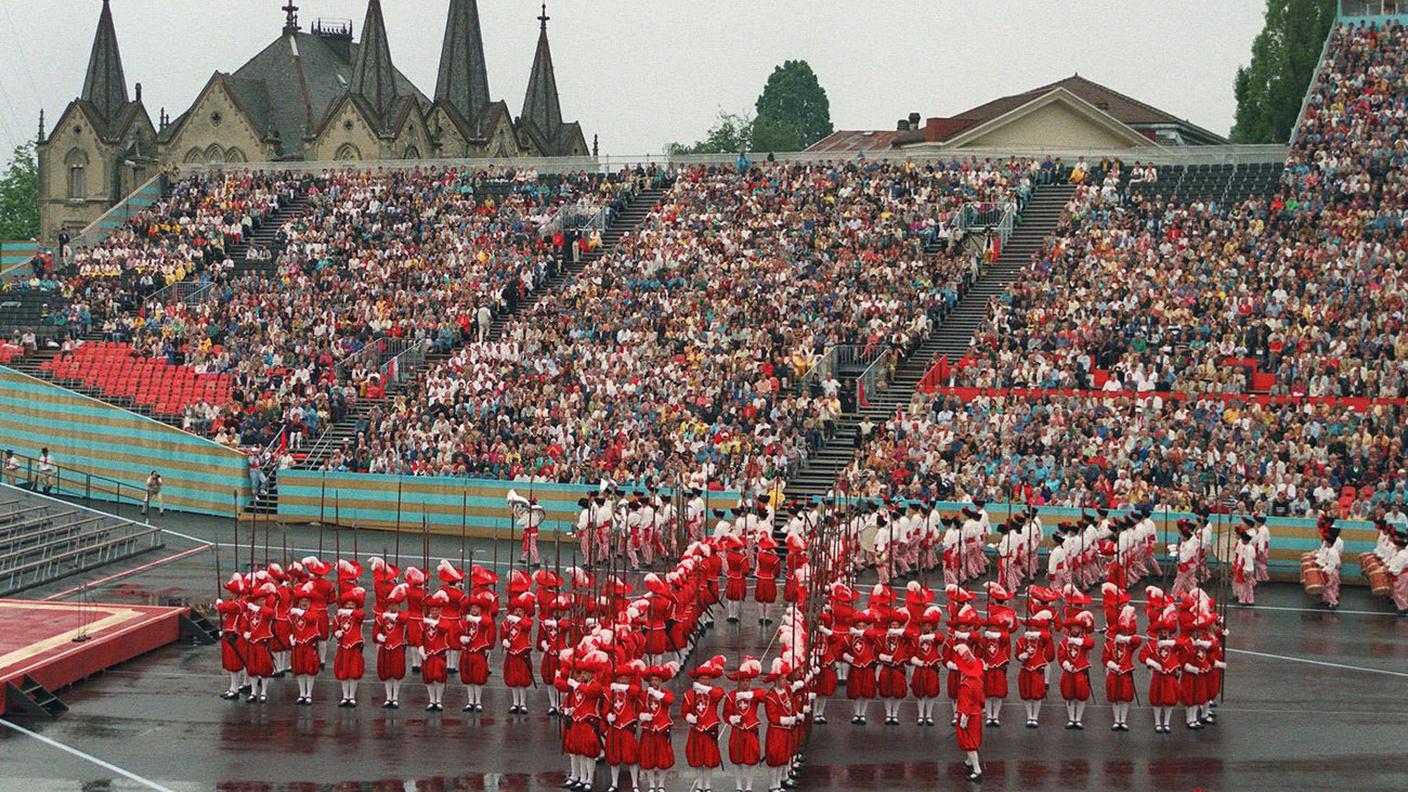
(1327, 559)
(1397, 568)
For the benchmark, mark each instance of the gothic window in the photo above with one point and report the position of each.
(194, 157)
(77, 162)
(233, 154)
(347, 151)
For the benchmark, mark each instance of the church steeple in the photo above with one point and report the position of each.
(372, 74)
(463, 82)
(540, 105)
(104, 84)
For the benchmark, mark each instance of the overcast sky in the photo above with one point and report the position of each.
(643, 73)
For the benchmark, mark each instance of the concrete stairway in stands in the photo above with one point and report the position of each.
(630, 217)
(951, 337)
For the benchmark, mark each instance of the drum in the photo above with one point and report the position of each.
(1376, 574)
(1311, 576)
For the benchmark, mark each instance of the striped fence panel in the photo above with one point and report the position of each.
(15, 253)
(445, 503)
(93, 436)
(1290, 536)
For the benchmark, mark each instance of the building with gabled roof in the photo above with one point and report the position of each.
(314, 95)
(101, 147)
(1073, 113)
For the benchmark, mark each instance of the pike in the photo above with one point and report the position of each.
(464, 519)
(237, 530)
(398, 523)
(337, 522)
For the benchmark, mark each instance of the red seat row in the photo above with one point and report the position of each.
(116, 370)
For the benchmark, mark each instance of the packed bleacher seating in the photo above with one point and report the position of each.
(679, 353)
(1151, 308)
(375, 255)
(1175, 450)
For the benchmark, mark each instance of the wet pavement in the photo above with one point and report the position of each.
(1314, 701)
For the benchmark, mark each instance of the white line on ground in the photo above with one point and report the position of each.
(1318, 662)
(86, 756)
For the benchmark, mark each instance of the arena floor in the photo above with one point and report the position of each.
(1314, 701)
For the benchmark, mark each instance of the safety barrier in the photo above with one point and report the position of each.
(91, 438)
(438, 504)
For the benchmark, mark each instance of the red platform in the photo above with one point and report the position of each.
(36, 638)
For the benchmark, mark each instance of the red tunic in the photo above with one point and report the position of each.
(737, 588)
(1074, 656)
(1119, 681)
(1164, 662)
(741, 712)
(997, 653)
(1193, 685)
(581, 705)
(892, 644)
(926, 658)
(390, 637)
(304, 626)
(765, 590)
(699, 708)
(518, 648)
(656, 751)
(475, 641)
(233, 647)
(436, 635)
(859, 653)
(970, 703)
(348, 663)
(1031, 678)
(622, 706)
(783, 720)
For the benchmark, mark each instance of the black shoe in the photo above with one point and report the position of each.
(395, 705)
(452, 671)
(857, 720)
(429, 707)
(468, 708)
(252, 699)
(1031, 724)
(1078, 726)
(386, 705)
(1070, 724)
(230, 694)
(820, 719)
(975, 778)
(997, 724)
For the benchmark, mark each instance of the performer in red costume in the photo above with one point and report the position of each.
(699, 706)
(349, 664)
(518, 649)
(784, 721)
(741, 714)
(1121, 642)
(969, 729)
(437, 632)
(1073, 653)
(623, 704)
(389, 633)
(657, 753)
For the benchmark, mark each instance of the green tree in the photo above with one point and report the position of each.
(793, 111)
(730, 134)
(1271, 88)
(19, 195)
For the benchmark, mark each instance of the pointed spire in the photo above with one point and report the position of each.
(40, 139)
(540, 105)
(372, 75)
(290, 17)
(463, 82)
(104, 84)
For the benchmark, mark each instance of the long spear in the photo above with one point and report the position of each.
(237, 531)
(464, 520)
(398, 523)
(337, 523)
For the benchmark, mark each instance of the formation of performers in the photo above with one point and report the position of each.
(608, 651)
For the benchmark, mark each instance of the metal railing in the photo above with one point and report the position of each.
(121, 212)
(821, 370)
(998, 218)
(875, 378)
(1314, 81)
(405, 363)
(69, 481)
(375, 354)
(189, 292)
(43, 539)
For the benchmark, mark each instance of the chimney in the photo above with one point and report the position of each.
(902, 125)
(138, 89)
(914, 121)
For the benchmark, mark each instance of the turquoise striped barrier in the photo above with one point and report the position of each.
(95, 437)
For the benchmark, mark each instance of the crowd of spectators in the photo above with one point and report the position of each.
(1158, 314)
(679, 354)
(1117, 450)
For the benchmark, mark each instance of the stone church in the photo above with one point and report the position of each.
(313, 95)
